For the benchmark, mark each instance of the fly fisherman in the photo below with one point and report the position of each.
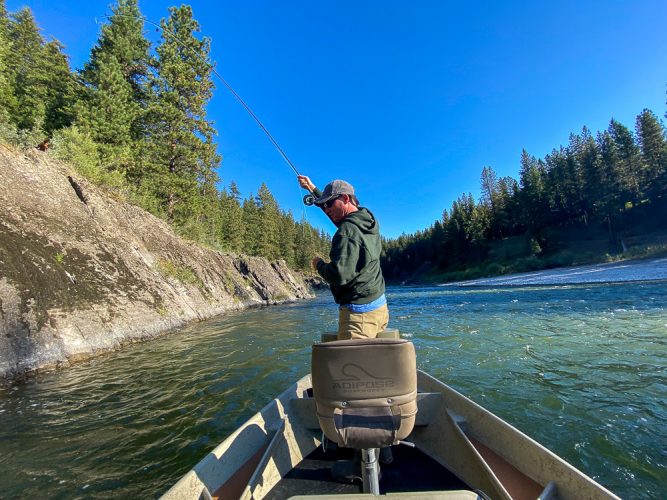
(356, 281)
(353, 272)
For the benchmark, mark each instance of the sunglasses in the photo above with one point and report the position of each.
(330, 203)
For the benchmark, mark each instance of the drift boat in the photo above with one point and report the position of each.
(455, 449)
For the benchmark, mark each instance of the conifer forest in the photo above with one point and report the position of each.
(610, 187)
(133, 119)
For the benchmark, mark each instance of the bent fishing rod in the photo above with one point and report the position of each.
(308, 199)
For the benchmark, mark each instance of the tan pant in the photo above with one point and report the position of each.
(362, 325)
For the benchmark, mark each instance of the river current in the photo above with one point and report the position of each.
(580, 368)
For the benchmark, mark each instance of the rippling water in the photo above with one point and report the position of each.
(579, 368)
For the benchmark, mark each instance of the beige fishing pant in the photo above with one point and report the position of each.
(362, 325)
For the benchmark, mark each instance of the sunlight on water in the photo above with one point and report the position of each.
(579, 368)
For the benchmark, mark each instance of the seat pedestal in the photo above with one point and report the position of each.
(370, 473)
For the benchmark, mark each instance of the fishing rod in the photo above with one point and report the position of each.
(308, 199)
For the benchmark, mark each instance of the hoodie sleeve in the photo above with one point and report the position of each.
(344, 260)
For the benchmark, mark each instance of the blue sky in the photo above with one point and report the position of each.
(408, 101)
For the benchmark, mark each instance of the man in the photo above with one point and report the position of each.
(353, 272)
(356, 281)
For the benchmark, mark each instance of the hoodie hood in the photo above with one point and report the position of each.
(364, 220)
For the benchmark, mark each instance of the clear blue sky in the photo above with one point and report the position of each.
(408, 101)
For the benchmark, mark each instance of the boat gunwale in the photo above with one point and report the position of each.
(279, 410)
(487, 434)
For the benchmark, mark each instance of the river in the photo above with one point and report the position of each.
(580, 368)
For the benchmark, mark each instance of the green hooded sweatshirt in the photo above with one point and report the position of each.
(354, 272)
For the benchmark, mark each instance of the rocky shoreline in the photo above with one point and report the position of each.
(83, 273)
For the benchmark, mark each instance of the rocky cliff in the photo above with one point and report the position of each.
(83, 273)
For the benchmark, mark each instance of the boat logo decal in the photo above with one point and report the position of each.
(358, 379)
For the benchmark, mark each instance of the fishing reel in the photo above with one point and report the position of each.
(309, 200)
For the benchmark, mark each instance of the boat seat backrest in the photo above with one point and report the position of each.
(365, 391)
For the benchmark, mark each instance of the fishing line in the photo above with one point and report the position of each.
(307, 199)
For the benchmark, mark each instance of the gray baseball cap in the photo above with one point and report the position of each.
(333, 190)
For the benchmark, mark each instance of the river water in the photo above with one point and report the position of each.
(580, 368)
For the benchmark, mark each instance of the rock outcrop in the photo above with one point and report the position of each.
(82, 272)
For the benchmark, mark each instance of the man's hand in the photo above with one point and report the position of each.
(315, 261)
(306, 183)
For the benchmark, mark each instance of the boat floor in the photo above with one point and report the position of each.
(411, 470)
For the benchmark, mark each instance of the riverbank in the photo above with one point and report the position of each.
(83, 272)
(612, 272)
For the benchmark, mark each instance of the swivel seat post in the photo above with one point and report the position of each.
(369, 471)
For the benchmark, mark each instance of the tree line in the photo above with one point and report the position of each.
(134, 119)
(609, 181)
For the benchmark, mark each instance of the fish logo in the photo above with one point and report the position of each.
(358, 379)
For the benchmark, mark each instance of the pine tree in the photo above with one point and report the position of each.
(123, 39)
(234, 220)
(25, 75)
(7, 102)
(269, 224)
(508, 216)
(489, 184)
(306, 246)
(180, 152)
(465, 227)
(629, 161)
(287, 239)
(572, 183)
(60, 88)
(35, 81)
(115, 90)
(590, 163)
(224, 200)
(533, 191)
(611, 175)
(205, 218)
(564, 183)
(231, 229)
(611, 202)
(251, 225)
(107, 112)
(438, 242)
(492, 201)
(324, 243)
(653, 146)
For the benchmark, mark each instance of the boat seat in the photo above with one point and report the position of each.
(365, 395)
(426, 495)
(365, 391)
(387, 333)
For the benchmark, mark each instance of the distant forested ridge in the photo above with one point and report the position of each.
(582, 202)
(134, 119)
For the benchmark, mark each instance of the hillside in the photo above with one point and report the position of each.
(82, 273)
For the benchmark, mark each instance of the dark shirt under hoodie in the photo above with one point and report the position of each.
(354, 272)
